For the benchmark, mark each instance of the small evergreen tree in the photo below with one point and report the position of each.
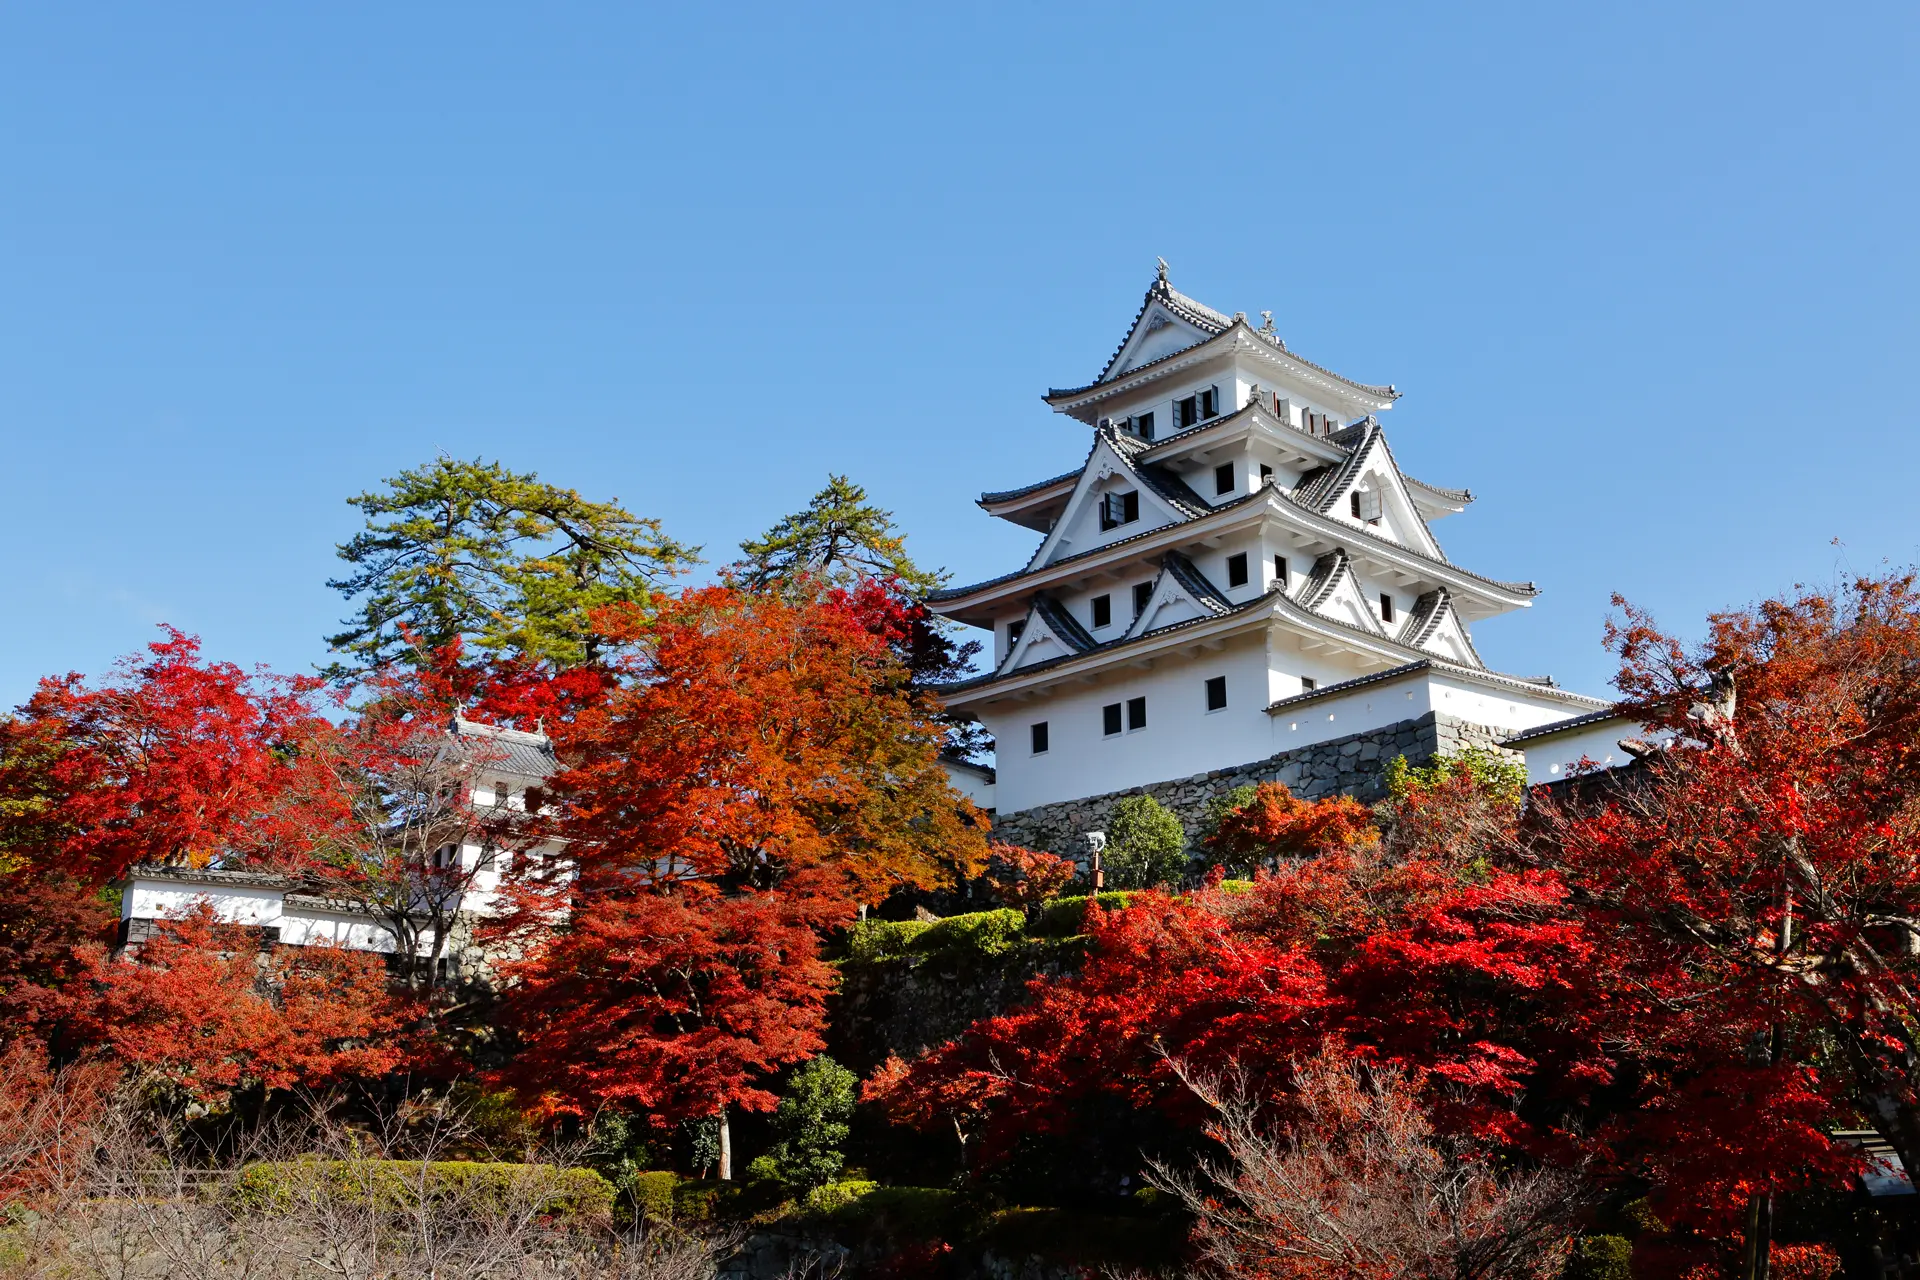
(812, 1123)
(1146, 844)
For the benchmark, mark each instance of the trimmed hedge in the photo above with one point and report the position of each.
(397, 1184)
(982, 933)
(881, 939)
(1065, 917)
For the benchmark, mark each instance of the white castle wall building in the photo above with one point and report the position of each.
(1237, 569)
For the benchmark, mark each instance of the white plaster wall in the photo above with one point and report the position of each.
(304, 927)
(970, 784)
(1368, 707)
(1552, 759)
(236, 904)
(1514, 711)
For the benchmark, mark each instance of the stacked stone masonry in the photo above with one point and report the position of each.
(1353, 765)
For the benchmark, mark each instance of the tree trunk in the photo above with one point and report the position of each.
(1758, 1254)
(726, 1148)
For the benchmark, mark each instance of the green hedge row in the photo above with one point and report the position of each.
(980, 933)
(397, 1185)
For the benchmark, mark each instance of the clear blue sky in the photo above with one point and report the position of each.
(1646, 275)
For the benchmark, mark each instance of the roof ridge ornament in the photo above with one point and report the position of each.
(1163, 270)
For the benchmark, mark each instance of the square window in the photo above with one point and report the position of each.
(1142, 596)
(1280, 572)
(1217, 693)
(1223, 479)
(1386, 607)
(1039, 731)
(1110, 719)
(1308, 684)
(1237, 569)
(1266, 472)
(1102, 611)
(1143, 425)
(1136, 713)
(1209, 402)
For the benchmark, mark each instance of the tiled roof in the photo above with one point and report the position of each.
(1195, 584)
(1008, 495)
(1494, 678)
(1563, 726)
(210, 876)
(1323, 578)
(1274, 597)
(1348, 686)
(515, 751)
(1213, 323)
(954, 593)
(1320, 488)
(1428, 612)
(991, 677)
(1062, 622)
(1460, 496)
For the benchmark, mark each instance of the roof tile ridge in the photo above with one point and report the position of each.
(1187, 574)
(1061, 622)
(1002, 495)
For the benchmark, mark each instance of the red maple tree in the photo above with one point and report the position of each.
(207, 1009)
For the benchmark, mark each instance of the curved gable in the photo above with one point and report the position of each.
(1180, 594)
(1050, 632)
(1332, 591)
(1109, 469)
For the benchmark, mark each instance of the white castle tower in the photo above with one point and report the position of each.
(1238, 571)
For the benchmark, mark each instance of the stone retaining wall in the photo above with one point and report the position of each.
(1353, 765)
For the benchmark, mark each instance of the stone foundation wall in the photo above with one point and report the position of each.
(1353, 765)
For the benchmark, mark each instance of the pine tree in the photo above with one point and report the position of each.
(501, 562)
(840, 537)
(1145, 844)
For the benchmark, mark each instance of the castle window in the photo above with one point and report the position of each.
(1141, 424)
(1102, 611)
(1196, 408)
(1110, 719)
(1136, 713)
(1142, 596)
(1237, 569)
(1217, 693)
(1223, 479)
(1266, 472)
(1117, 509)
(1280, 572)
(1386, 607)
(1308, 684)
(1014, 632)
(1039, 732)
(1353, 501)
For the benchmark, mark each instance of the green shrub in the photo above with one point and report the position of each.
(982, 933)
(832, 1198)
(1234, 888)
(652, 1194)
(917, 1213)
(1146, 845)
(399, 1184)
(1064, 917)
(811, 1122)
(1496, 773)
(1600, 1258)
(881, 939)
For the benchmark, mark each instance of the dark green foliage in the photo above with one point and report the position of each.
(399, 1184)
(841, 537)
(812, 1123)
(700, 1138)
(1145, 844)
(880, 939)
(652, 1194)
(507, 564)
(981, 933)
(1497, 773)
(618, 1149)
(1600, 1258)
(1065, 917)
